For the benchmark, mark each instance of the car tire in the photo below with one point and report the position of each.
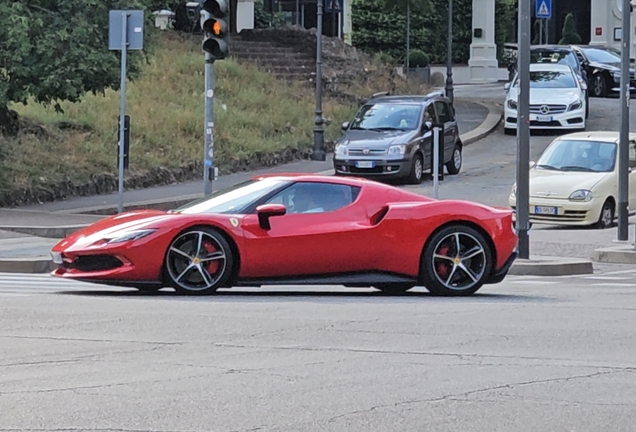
(599, 85)
(445, 272)
(455, 164)
(510, 131)
(587, 107)
(417, 170)
(198, 261)
(606, 218)
(394, 288)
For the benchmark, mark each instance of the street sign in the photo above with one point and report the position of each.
(543, 9)
(334, 6)
(134, 29)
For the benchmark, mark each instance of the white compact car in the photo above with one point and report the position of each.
(575, 181)
(557, 99)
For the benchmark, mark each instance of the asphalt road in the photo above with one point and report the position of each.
(530, 354)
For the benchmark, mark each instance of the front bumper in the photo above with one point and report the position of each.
(562, 211)
(574, 119)
(379, 168)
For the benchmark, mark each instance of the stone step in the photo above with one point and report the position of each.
(268, 53)
(278, 62)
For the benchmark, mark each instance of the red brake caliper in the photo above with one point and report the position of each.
(442, 265)
(211, 266)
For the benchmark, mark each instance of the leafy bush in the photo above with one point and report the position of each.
(569, 33)
(418, 58)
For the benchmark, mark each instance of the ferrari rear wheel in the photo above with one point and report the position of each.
(199, 261)
(456, 261)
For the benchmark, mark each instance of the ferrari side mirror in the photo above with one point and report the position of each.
(267, 211)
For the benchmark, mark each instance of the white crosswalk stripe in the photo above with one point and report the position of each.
(18, 284)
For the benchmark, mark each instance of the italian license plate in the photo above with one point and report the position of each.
(545, 210)
(544, 118)
(56, 257)
(365, 164)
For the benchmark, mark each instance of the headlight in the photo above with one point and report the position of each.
(616, 75)
(128, 236)
(581, 195)
(512, 104)
(576, 105)
(397, 150)
(341, 148)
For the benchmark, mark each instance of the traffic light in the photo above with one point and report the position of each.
(215, 28)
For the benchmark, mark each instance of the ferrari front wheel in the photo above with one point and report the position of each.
(456, 261)
(198, 261)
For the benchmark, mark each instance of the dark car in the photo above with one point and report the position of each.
(603, 66)
(392, 137)
(560, 54)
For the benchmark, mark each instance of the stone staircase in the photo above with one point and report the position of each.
(282, 61)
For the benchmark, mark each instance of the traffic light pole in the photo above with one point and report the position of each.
(319, 132)
(623, 146)
(208, 150)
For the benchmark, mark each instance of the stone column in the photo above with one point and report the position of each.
(347, 27)
(483, 50)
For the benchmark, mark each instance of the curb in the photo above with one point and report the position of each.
(55, 232)
(27, 265)
(551, 266)
(616, 255)
(494, 117)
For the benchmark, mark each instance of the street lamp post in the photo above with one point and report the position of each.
(319, 132)
(449, 54)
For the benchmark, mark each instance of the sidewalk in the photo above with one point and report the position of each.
(28, 233)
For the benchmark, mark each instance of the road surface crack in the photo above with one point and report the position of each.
(464, 395)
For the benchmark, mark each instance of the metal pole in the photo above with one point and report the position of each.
(208, 145)
(297, 12)
(449, 54)
(122, 108)
(523, 129)
(408, 35)
(623, 160)
(319, 132)
(540, 32)
(436, 162)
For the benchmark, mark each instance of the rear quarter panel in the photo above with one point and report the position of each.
(406, 228)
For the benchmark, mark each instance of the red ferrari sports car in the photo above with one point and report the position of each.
(298, 230)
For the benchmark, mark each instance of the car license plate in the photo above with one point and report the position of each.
(545, 210)
(365, 164)
(56, 257)
(544, 118)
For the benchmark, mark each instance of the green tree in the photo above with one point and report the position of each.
(569, 34)
(54, 50)
(409, 6)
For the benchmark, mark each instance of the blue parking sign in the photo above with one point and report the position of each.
(543, 9)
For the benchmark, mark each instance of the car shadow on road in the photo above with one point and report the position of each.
(262, 295)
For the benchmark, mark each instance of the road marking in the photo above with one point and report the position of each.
(325, 172)
(606, 277)
(615, 284)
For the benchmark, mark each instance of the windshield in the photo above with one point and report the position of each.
(573, 155)
(545, 79)
(388, 116)
(559, 57)
(601, 55)
(233, 200)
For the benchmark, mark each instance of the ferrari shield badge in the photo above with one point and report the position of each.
(234, 222)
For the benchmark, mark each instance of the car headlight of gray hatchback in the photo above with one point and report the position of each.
(396, 150)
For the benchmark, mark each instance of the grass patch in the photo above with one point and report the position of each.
(253, 112)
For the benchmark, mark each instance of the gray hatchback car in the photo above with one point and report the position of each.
(392, 137)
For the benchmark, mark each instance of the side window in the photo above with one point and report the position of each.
(442, 111)
(429, 114)
(632, 154)
(309, 197)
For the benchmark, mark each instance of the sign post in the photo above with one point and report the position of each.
(523, 127)
(623, 146)
(125, 32)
